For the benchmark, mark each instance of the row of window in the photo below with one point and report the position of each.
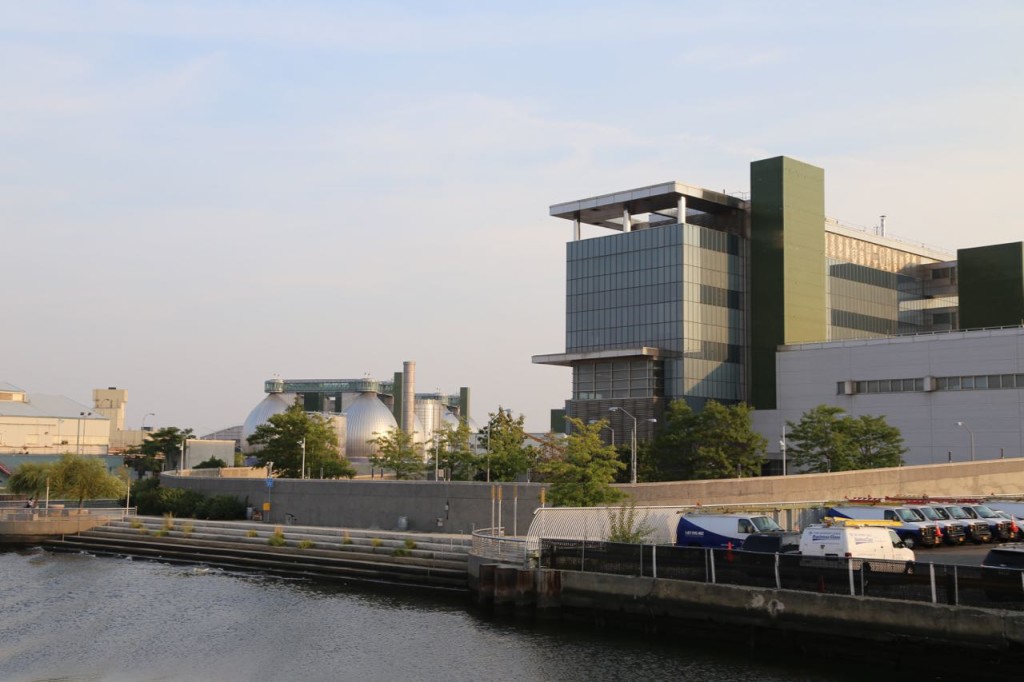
(976, 382)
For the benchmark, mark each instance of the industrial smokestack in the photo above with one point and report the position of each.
(408, 396)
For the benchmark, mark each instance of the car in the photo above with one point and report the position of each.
(1002, 572)
(772, 542)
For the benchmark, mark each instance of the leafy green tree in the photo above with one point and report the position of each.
(582, 475)
(454, 452)
(717, 442)
(30, 478)
(828, 439)
(281, 440)
(84, 478)
(507, 456)
(879, 445)
(163, 444)
(396, 451)
(212, 463)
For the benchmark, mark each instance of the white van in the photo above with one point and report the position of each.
(721, 530)
(831, 543)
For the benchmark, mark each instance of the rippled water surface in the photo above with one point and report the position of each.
(80, 617)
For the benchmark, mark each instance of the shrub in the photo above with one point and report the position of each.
(135, 523)
(161, 533)
(251, 534)
(306, 544)
(277, 538)
(168, 521)
(221, 507)
(346, 539)
(376, 542)
(400, 551)
(410, 543)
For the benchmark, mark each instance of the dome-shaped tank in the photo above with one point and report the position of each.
(274, 403)
(367, 417)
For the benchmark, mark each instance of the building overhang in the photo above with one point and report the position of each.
(606, 210)
(569, 359)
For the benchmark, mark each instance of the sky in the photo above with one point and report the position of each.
(196, 197)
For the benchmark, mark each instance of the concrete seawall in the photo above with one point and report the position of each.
(750, 614)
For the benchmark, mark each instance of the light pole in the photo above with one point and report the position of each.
(81, 430)
(782, 445)
(972, 437)
(302, 471)
(143, 427)
(632, 444)
(606, 426)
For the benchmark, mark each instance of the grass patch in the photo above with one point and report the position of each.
(251, 533)
(400, 551)
(277, 538)
(376, 542)
(188, 528)
(135, 523)
(410, 543)
(168, 521)
(346, 539)
(163, 532)
(306, 544)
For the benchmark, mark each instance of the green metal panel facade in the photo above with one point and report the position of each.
(787, 265)
(991, 282)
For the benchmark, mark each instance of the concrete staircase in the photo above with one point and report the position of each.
(420, 559)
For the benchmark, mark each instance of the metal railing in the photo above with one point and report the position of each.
(493, 544)
(922, 582)
(55, 512)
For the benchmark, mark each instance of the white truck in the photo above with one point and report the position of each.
(868, 545)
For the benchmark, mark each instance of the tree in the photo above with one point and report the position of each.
(583, 474)
(84, 478)
(507, 457)
(625, 524)
(727, 444)
(717, 442)
(212, 463)
(454, 452)
(396, 451)
(31, 478)
(827, 439)
(163, 444)
(282, 437)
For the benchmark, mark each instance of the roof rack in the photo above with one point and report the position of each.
(840, 521)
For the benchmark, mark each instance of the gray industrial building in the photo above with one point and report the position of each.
(698, 295)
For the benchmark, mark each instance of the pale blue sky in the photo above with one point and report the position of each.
(196, 196)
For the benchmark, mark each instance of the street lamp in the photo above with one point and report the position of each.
(632, 443)
(143, 427)
(81, 430)
(972, 437)
(302, 471)
(606, 426)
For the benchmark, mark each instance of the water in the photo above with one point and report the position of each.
(76, 617)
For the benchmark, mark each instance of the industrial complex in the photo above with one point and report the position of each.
(699, 295)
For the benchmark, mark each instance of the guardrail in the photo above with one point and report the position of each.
(37, 514)
(493, 544)
(923, 582)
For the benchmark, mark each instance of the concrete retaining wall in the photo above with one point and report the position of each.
(456, 507)
(461, 507)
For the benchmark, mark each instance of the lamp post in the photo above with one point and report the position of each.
(972, 437)
(80, 430)
(606, 426)
(143, 427)
(632, 444)
(782, 445)
(302, 471)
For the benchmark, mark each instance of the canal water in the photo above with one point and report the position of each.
(76, 617)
